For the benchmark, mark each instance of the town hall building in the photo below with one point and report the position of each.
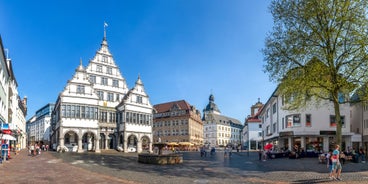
(89, 112)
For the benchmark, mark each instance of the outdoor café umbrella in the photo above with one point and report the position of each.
(7, 137)
(185, 143)
(268, 146)
(172, 144)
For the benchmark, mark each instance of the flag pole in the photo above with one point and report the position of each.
(105, 25)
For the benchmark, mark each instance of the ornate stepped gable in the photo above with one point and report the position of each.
(106, 77)
(136, 95)
(88, 108)
(79, 86)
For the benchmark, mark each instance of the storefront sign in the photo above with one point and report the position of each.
(4, 126)
(327, 132)
(286, 134)
(7, 131)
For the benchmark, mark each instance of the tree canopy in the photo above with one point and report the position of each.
(318, 48)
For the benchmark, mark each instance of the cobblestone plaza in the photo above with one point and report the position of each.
(115, 167)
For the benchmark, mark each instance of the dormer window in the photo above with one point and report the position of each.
(104, 81)
(99, 68)
(109, 70)
(100, 95)
(110, 97)
(92, 79)
(104, 59)
(80, 89)
(115, 83)
(139, 99)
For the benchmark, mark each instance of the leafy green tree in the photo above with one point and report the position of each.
(318, 48)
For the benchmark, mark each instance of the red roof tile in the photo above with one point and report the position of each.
(165, 107)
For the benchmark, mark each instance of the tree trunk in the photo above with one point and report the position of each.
(337, 120)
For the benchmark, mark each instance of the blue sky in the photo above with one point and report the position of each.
(182, 49)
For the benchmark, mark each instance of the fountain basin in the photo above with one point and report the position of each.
(168, 159)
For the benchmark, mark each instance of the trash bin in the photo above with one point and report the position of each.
(4, 151)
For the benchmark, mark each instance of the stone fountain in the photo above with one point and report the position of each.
(160, 158)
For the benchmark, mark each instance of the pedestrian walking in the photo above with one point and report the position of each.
(260, 154)
(213, 151)
(202, 151)
(329, 164)
(362, 155)
(32, 150)
(29, 150)
(37, 147)
(336, 162)
(265, 155)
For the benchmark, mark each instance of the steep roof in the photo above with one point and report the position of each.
(255, 117)
(165, 107)
(211, 106)
(137, 90)
(221, 119)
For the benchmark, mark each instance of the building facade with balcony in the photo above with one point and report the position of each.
(312, 128)
(220, 130)
(178, 123)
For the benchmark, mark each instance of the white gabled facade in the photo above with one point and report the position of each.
(312, 128)
(110, 87)
(135, 120)
(85, 117)
(75, 118)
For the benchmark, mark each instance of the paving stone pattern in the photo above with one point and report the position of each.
(116, 167)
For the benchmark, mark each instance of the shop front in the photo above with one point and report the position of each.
(314, 144)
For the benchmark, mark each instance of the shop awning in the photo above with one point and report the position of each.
(172, 144)
(7, 137)
(7, 131)
(186, 144)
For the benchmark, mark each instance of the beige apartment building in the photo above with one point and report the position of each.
(178, 124)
